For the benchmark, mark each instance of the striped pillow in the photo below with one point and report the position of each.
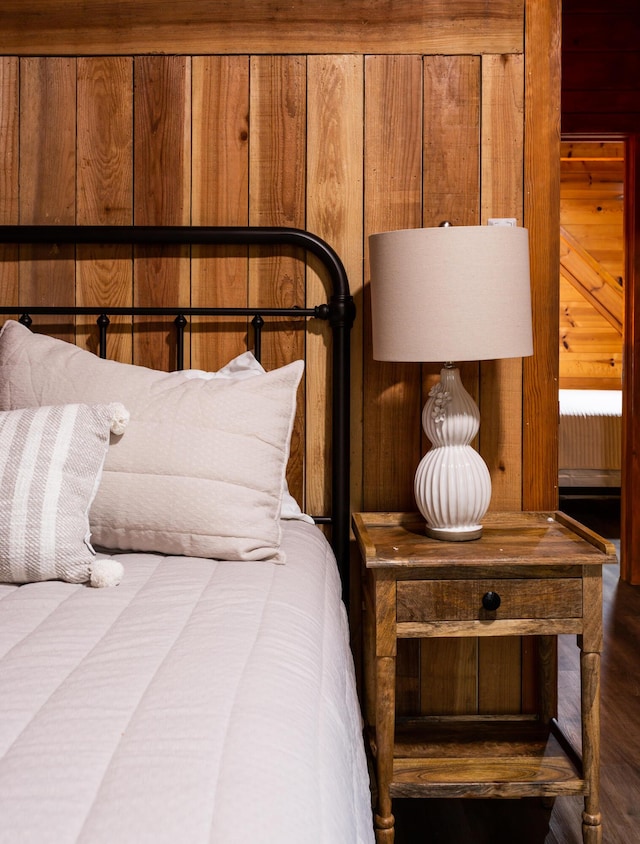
(51, 461)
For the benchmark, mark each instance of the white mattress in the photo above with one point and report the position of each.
(590, 438)
(198, 701)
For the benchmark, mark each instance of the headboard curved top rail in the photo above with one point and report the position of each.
(202, 235)
(338, 310)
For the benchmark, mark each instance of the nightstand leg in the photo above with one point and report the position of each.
(385, 737)
(548, 677)
(590, 679)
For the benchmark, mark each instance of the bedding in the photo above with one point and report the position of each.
(201, 468)
(590, 438)
(199, 701)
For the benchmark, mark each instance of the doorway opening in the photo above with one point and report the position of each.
(592, 296)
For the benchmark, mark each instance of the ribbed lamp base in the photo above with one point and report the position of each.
(452, 484)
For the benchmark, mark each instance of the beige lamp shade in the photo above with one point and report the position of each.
(451, 293)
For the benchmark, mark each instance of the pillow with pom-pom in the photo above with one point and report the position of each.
(51, 461)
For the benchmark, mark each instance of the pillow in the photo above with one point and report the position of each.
(247, 365)
(201, 468)
(51, 460)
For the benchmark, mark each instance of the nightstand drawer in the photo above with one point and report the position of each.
(468, 600)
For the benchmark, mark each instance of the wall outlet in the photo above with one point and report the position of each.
(502, 221)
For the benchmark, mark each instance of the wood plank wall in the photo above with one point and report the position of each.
(357, 118)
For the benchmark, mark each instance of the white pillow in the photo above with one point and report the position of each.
(247, 365)
(51, 461)
(201, 468)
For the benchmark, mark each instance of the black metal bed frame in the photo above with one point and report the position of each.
(338, 311)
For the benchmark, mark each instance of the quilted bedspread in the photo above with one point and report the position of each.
(199, 701)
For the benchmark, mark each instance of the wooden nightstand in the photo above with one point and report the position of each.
(530, 574)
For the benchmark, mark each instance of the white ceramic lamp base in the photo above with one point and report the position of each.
(452, 483)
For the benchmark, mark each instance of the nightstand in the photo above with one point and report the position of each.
(530, 574)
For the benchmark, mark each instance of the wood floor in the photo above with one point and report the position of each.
(528, 821)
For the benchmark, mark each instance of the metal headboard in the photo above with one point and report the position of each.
(339, 311)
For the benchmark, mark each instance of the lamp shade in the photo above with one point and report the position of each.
(451, 293)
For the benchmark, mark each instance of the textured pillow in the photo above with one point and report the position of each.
(247, 365)
(201, 468)
(51, 460)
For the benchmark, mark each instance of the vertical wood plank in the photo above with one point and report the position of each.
(449, 677)
(161, 179)
(105, 141)
(499, 675)
(452, 140)
(393, 200)
(542, 218)
(502, 196)
(500, 434)
(501, 430)
(541, 147)
(392, 409)
(452, 97)
(105, 167)
(220, 197)
(162, 140)
(277, 168)
(47, 141)
(9, 149)
(502, 136)
(547, 679)
(47, 181)
(335, 105)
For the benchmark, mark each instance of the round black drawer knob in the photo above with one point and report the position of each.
(491, 601)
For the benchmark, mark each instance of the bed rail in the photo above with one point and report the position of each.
(339, 311)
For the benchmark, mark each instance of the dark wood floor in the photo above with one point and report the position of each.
(528, 821)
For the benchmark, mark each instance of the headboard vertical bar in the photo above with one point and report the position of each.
(257, 322)
(342, 311)
(180, 323)
(103, 323)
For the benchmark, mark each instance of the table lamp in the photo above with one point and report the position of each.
(450, 294)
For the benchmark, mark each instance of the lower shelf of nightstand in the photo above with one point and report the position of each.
(488, 757)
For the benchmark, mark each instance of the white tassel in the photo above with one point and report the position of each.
(106, 573)
(120, 418)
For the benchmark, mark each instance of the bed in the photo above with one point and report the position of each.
(590, 440)
(174, 645)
